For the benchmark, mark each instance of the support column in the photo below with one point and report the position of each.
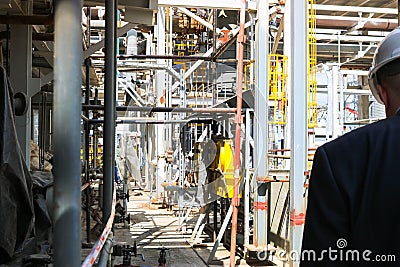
(329, 119)
(109, 107)
(161, 94)
(335, 102)
(67, 133)
(247, 167)
(287, 32)
(20, 77)
(261, 125)
(298, 101)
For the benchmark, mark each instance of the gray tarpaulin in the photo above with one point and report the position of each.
(17, 208)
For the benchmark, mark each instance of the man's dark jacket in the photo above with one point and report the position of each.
(354, 194)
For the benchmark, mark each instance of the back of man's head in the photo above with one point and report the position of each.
(389, 76)
(385, 67)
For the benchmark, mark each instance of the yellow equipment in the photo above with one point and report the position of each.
(224, 163)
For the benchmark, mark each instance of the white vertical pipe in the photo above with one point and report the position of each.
(335, 101)
(247, 181)
(343, 85)
(261, 123)
(298, 87)
(329, 120)
(287, 32)
(160, 91)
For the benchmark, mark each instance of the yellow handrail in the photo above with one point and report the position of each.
(312, 110)
(277, 65)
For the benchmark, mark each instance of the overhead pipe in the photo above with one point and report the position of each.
(109, 106)
(205, 58)
(349, 38)
(347, 21)
(163, 109)
(127, 65)
(147, 121)
(67, 135)
(238, 120)
(363, 9)
(211, 4)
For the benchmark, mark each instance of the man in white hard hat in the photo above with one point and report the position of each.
(353, 212)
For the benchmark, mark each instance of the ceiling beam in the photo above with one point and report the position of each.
(349, 38)
(27, 19)
(363, 9)
(220, 4)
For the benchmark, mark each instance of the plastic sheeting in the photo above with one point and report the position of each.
(17, 208)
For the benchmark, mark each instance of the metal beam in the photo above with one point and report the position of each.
(27, 19)
(212, 4)
(88, 52)
(199, 19)
(20, 78)
(67, 133)
(209, 52)
(97, 46)
(278, 35)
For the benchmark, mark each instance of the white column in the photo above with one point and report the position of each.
(297, 14)
(335, 102)
(160, 94)
(261, 124)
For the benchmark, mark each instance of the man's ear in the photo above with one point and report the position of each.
(383, 94)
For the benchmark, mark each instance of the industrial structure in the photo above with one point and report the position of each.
(211, 108)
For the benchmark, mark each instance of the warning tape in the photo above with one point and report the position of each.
(297, 219)
(261, 205)
(94, 253)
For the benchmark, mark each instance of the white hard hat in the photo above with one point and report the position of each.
(387, 51)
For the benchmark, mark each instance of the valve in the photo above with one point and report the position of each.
(121, 219)
(119, 209)
(122, 196)
(162, 260)
(126, 251)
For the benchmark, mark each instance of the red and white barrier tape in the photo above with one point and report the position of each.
(94, 253)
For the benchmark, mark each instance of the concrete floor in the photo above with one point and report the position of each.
(153, 228)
